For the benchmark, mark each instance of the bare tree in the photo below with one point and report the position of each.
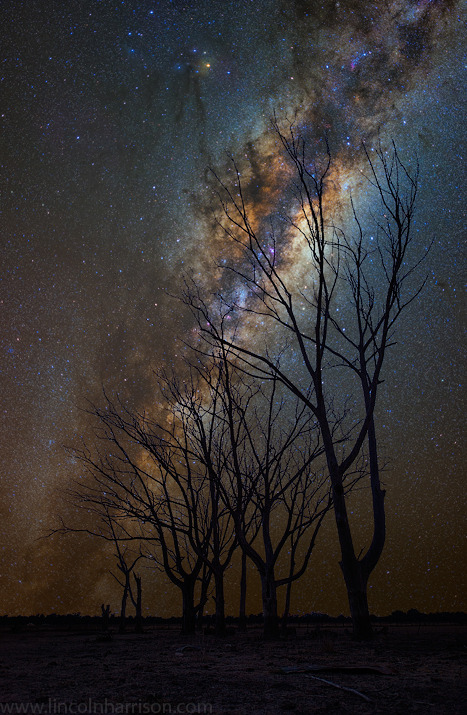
(156, 474)
(155, 482)
(109, 527)
(338, 321)
(268, 483)
(130, 492)
(126, 562)
(198, 438)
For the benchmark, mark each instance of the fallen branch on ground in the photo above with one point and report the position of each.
(379, 669)
(341, 687)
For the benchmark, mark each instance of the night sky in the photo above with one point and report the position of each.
(111, 112)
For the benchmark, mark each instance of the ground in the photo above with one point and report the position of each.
(423, 671)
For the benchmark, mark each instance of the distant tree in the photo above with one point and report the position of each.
(105, 611)
(126, 562)
(336, 322)
(110, 528)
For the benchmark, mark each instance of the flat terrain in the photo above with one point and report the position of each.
(423, 670)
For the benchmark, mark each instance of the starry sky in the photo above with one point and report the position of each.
(111, 112)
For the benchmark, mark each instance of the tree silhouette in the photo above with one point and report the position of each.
(111, 528)
(191, 448)
(126, 562)
(268, 484)
(337, 324)
(162, 501)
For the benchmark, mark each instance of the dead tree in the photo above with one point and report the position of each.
(268, 484)
(126, 562)
(150, 473)
(126, 487)
(109, 527)
(198, 438)
(126, 569)
(338, 319)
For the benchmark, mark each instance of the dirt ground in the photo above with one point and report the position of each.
(423, 670)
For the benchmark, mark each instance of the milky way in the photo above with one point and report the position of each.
(111, 114)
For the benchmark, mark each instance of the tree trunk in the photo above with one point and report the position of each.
(355, 576)
(203, 599)
(122, 624)
(138, 606)
(358, 601)
(355, 580)
(373, 554)
(188, 604)
(356, 573)
(199, 617)
(242, 609)
(269, 594)
(220, 603)
(285, 615)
